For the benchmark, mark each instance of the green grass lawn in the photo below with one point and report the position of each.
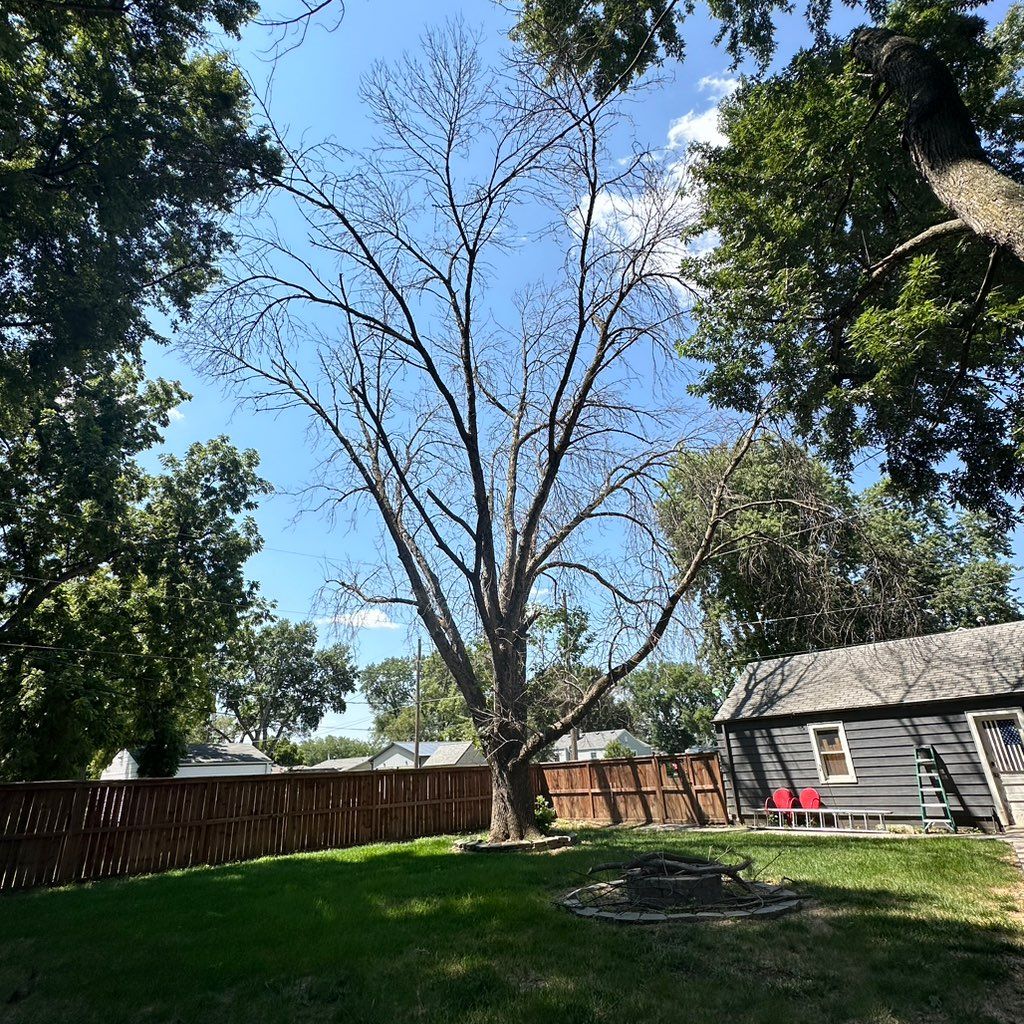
(900, 931)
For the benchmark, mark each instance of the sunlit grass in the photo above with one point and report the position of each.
(900, 931)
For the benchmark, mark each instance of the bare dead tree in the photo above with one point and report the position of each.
(504, 422)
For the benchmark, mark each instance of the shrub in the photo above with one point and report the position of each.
(543, 813)
(618, 749)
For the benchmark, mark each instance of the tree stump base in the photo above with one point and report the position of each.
(662, 891)
(519, 846)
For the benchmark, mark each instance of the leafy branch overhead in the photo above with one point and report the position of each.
(842, 282)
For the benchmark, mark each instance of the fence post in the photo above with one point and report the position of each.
(204, 832)
(660, 789)
(590, 786)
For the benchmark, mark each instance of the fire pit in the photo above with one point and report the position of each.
(661, 887)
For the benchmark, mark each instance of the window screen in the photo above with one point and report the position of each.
(834, 762)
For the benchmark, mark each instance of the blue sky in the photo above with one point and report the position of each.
(315, 94)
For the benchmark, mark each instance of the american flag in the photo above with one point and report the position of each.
(1009, 733)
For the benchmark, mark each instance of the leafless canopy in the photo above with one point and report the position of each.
(501, 412)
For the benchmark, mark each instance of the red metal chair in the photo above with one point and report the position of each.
(781, 802)
(810, 799)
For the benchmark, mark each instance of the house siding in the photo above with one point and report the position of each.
(763, 755)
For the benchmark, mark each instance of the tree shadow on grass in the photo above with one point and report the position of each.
(418, 932)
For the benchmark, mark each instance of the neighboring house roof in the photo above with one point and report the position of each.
(344, 764)
(597, 740)
(453, 753)
(981, 662)
(222, 753)
(427, 747)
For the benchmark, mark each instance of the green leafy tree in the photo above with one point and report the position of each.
(114, 650)
(325, 748)
(389, 687)
(124, 139)
(561, 643)
(841, 282)
(807, 563)
(618, 749)
(609, 44)
(673, 705)
(286, 753)
(275, 682)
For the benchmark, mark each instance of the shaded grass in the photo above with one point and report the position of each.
(900, 931)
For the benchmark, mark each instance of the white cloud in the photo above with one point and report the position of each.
(694, 127)
(175, 415)
(626, 214)
(366, 618)
(702, 125)
(718, 86)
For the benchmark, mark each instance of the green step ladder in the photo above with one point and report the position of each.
(935, 812)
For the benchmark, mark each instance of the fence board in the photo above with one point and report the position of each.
(53, 833)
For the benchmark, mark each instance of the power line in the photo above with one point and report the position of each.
(93, 650)
(146, 541)
(860, 607)
(166, 597)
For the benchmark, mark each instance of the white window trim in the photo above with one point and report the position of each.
(993, 785)
(829, 780)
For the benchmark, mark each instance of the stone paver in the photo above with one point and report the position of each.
(1015, 837)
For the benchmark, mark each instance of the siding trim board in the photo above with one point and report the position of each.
(762, 755)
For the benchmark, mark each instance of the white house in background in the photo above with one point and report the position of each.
(591, 746)
(432, 753)
(201, 760)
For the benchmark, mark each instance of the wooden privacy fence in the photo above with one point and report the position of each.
(57, 832)
(685, 789)
(52, 833)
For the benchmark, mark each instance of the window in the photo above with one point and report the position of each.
(832, 753)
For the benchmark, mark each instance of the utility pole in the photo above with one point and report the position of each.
(416, 731)
(574, 736)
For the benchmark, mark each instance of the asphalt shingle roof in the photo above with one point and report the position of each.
(344, 764)
(981, 662)
(222, 753)
(449, 753)
(597, 740)
(427, 747)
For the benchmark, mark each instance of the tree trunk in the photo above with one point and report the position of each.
(511, 803)
(941, 137)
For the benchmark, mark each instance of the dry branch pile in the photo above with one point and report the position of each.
(667, 886)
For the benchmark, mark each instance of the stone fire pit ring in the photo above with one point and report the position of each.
(581, 902)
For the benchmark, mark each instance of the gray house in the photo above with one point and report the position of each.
(591, 746)
(847, 722)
